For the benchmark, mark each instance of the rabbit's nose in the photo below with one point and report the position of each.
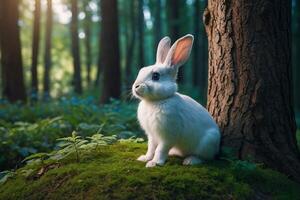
(137, 86)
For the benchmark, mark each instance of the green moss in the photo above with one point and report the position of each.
(114, 173)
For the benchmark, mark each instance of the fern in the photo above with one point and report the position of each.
(37, 157)
(101, 140)
(71, 145)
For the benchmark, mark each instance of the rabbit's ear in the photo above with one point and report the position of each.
(162, 50)
(180, 51)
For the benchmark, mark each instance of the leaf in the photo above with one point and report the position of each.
(5, 175)
(41, 156)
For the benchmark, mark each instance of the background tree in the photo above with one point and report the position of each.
(157, 10)
(249, 90)
(11, 58)
(140, 32)
(110, 57)
(47, 55)
(87, 30)
(173, 13)
(131, 39)
(35, 50)
(75, 48)
(99, 63)
(296, 54)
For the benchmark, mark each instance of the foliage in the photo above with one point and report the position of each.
(71, 145)
(27, 129)
(114, 173)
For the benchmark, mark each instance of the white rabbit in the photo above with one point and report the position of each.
(175, 124)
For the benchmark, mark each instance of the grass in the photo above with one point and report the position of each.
(113, 173)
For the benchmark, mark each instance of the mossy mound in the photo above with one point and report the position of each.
(113, 173)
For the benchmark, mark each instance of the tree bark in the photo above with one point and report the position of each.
(11, 58)
(249, 89)
(87, 42)
(75, 48)
(110, 56)
(47, 55)
(35, 50)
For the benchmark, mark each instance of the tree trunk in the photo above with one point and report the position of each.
(35, 50)
(87, 31)
(174, 27)
(75, 48)
(131, 38)
(296, 62)
(157, 23)
(11, 58)
(99, 63)
(47, 56)
(110, 57)
(249, 89)
(141, 33)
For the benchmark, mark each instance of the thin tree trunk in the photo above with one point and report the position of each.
(131, 38)
(110, 56)
(75, 48)
(249, 91)
(174, 27)
(157, 23)
(296, 62)
(87, 31)
(141, 33)
(47, 56)
(99, 63)
(11, 58)
(35, 50)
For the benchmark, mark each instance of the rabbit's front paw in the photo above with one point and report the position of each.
(191, 160)
(144, 158)
(151, 163)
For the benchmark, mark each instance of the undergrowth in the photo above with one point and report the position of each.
(28, 129)
(75, 149)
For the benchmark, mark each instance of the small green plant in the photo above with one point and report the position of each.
(133, 139)
(37, 157)
(71, 145)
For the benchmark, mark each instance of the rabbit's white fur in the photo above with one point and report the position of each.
(175, 124)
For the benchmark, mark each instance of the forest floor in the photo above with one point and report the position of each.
(98, 160)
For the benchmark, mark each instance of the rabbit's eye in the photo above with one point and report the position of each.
(155, 76)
